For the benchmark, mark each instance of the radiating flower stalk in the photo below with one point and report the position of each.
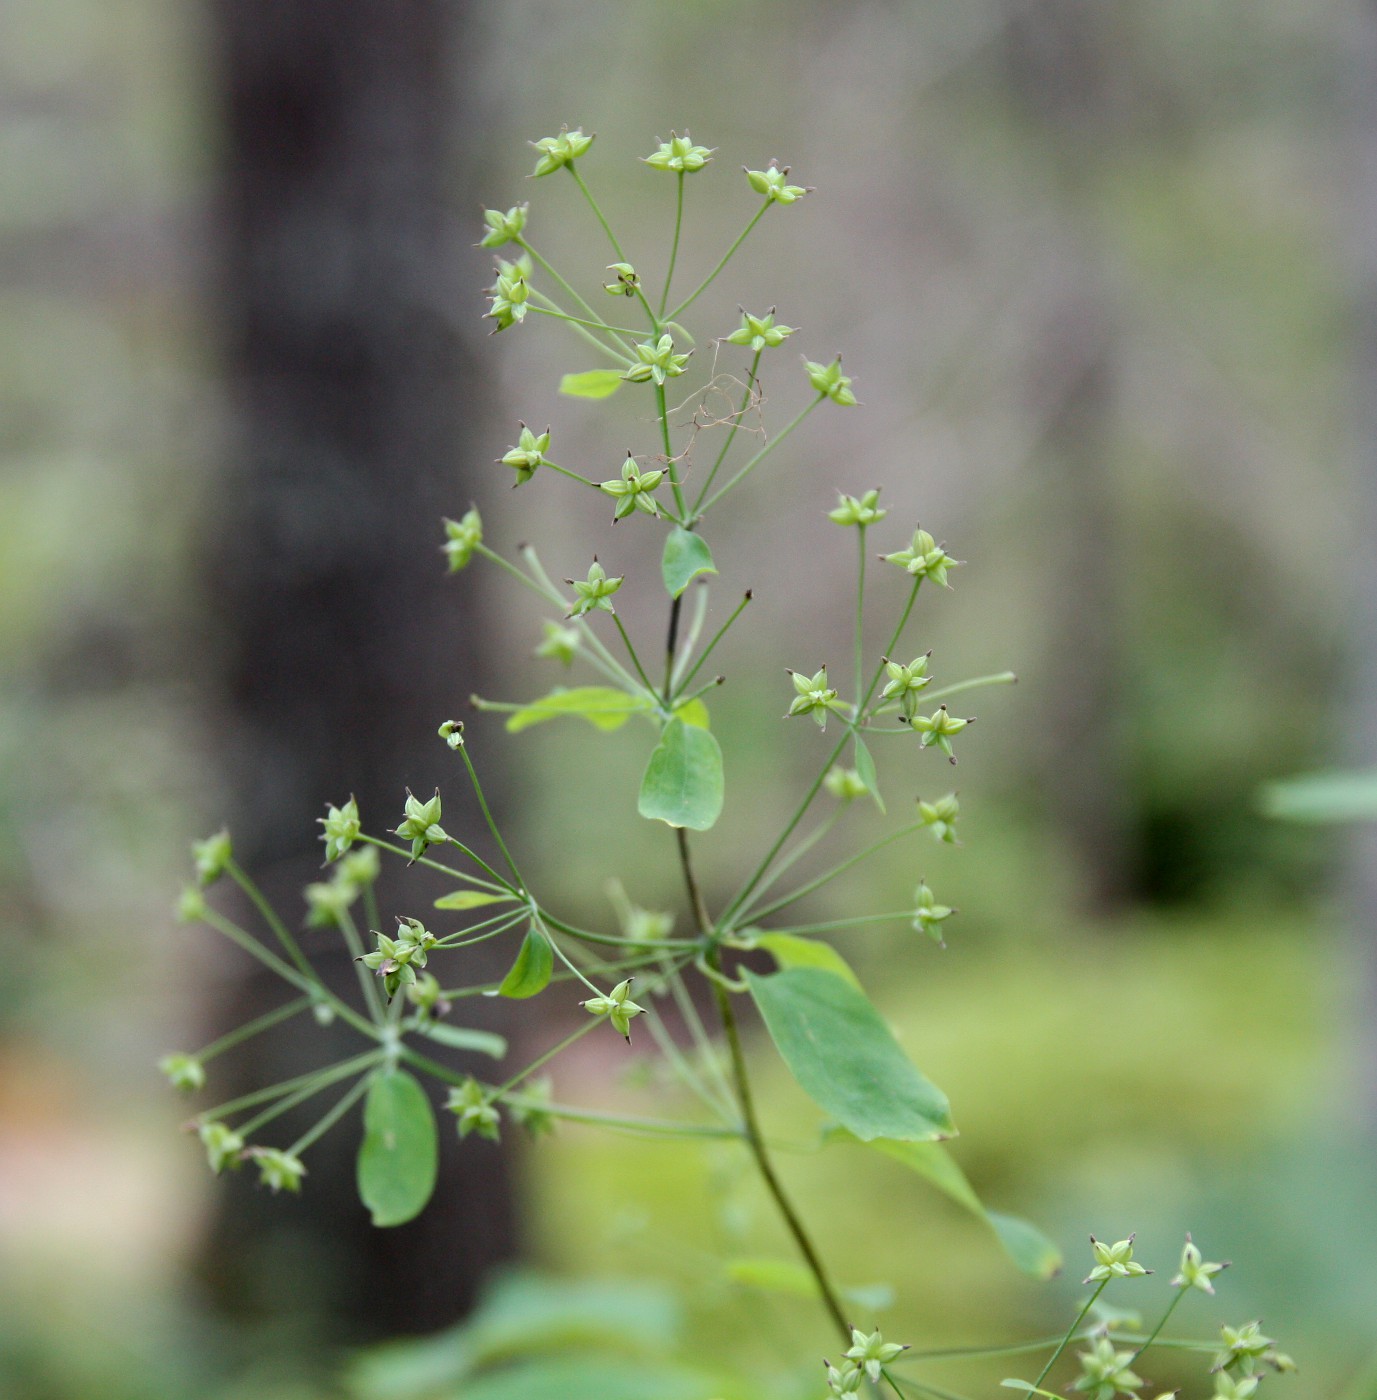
(412, 990)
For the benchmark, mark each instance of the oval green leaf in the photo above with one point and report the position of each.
(400, 1155)
(602, 706)
(470, 899)
(694, 712)
(686, 556)
(865, 769)
(683, 784)
(789, 950)
(530, 973)
(846, 1059)
(591, 384)
(465, 1038)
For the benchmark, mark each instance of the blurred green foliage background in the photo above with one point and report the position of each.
(1098, 296)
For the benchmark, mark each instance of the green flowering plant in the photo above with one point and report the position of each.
(746, 952)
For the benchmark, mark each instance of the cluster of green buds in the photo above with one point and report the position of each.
(531, 1109)
(773, 183)
(527, 455)
(759, 332)
(830, 382)
(184, 1072)
(864, 1360)
(510, 293)
(327, 901)
(1196, 1272)
(906, 681)
(420, 824)
(928, 915)
(627, 283)
(395, 960)
(1106, 1372)
(814, 697)
(679, 154)
(924, 558)
(561, 643)
(452, 732)
(594, 592)
(863, 511)
(656, 361)
(1114, 1261)
(462, 537)
(504, 228)
(633, 489)
(474, 1110)
(428, 997)
(559, 151)
(1245, 1351)
(341, 828)
(845, 784)
(211, 857)
(278, 1170)
(940, 817)
(937, 729)
(224, 1147)
(617, 1006)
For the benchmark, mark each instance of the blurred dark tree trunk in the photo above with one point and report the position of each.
(1363, 854)
(354, 403)
(1061, 60)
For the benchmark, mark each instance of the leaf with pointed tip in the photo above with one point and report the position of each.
(602, 706)
(399, 1158)
(591, 384)
(789, 950)
(865, 769)
(464, 1038)
(845, 1057)
(530, 973)
(686, 556)
(470, 899)
(683, 784)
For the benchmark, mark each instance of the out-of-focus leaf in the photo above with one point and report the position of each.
(470, 899)
(591, 384)
(463, 1038)
(400, 1155)
(603, 707)
(1323, 797)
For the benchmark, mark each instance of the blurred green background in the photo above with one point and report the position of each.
(1101, 274)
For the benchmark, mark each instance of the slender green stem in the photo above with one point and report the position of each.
(889, 650)
(564, 958)
(286, 1086)
(799, 851)
(721, 632)
(690, 640)
(688, 1075)
(977, 1353)
(545, 1059)
(830, 875)
(491, 928)
(636, 660)
(688, 1012)
(1162, 1322)
(625, 361)
(318, 1084)
(855, 921)
(860, 617)
(1070, 1332)
(569, 291)
(731, 433)
(252, 1028)
(613, 940)
(998, 678)
(651, 1126)
(725, 259)
(572, 168)
(356, 1092)
(671, 466)
(500, 887)
(760, 456)
(269, 914)
(572, 475)
(492, 826)
(674, 247)
(612, 965)
(577, 321)
(368, 984)
(504, 885)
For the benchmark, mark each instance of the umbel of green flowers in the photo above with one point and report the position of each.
(644, 684)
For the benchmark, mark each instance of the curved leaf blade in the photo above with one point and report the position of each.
(465, 1038)
(530, 973)
(470, 899)
(865, 768)
(686, 556)
(790, 950)
(683, 783)
(591, 384)
(846, 1059)
(399, 1158)
(602, 706)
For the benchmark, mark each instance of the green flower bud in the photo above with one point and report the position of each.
(1243, 1348)
(814, 697)
(211, 857)
(872, 1353)
(1227, 1388)
(421, 824)
(937, 729)
(531, 1113)
(617, 1007)
(341, 828)
(503, 228)
(644, 926)
(851, 511)
(928, 914)
(844, 1381)
(772, 184)
(327, 903)
(830, 381)
(559, 151)
(191, 905)
(759, 331)
(452, 732)
(1114, 1261)
(905, 682)
(279, 1171)
(844, 784)
(1195, 1272)
(657, 361)
(594, 591)
(1107, 1372)
(184, 1072)
(509, 294)
(425, 994)
(474, 1110)
(462, 537)
(527, 455)
(940, 817)
(627, 281)
(632, 490)
(924, 558)
(224, 1147)
(561, 643)
(679, 154)
(360, 868)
